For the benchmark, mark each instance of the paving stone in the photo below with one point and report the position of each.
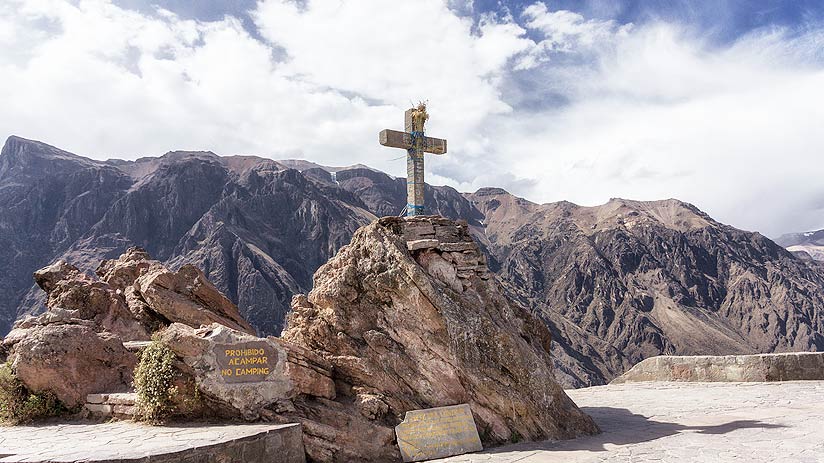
(686, 422)
(127, 442)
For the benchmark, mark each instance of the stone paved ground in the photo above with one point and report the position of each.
(120, 440)
(687, 422)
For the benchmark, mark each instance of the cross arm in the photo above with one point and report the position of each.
(395, 139)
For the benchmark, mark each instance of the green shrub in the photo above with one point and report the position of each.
(153, 382)
(18, 405)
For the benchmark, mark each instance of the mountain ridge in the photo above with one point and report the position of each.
(614, 283)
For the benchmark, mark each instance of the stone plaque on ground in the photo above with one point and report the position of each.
(437, 433)
(245, 362)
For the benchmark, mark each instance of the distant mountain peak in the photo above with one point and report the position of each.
(491, 191)
(809, 245)
(21, 157)
(19, 147)
(670, 213)
(301, 165)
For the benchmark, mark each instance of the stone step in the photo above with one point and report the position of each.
(112, 404)
(113, 398)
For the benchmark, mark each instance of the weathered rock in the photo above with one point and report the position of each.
(385, 331)
(122, 272)
(402, 333)
(443, 270)
(70, 360)
(68, 289)
(186, 296)
(77, 346)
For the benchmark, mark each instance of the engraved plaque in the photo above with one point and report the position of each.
(246, 362)
(437, 433)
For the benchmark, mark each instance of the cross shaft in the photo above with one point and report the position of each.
(416, 143)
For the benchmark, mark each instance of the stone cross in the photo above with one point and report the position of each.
(415, 143)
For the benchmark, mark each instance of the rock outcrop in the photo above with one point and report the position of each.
(185, 296)
(69, 358)
(76, 347)
(409, 317)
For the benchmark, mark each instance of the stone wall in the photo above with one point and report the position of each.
(284, 445)
(729, 368)
(443, 247)
(130, 442)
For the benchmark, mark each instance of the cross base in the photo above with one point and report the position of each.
(413, 210)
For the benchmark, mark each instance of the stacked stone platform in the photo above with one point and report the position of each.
(442, 246)
(115, 405)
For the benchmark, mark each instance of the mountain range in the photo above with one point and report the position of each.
(614, 283)
(807, 245)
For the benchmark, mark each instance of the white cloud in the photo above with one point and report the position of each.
(550, 104)
(105, 81)
(567, 31)
(662, 114)
(396, 53)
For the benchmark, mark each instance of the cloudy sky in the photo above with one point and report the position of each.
(719, 103)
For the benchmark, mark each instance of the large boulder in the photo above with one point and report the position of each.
(185, 296)
(409, 318)
(70, 360)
